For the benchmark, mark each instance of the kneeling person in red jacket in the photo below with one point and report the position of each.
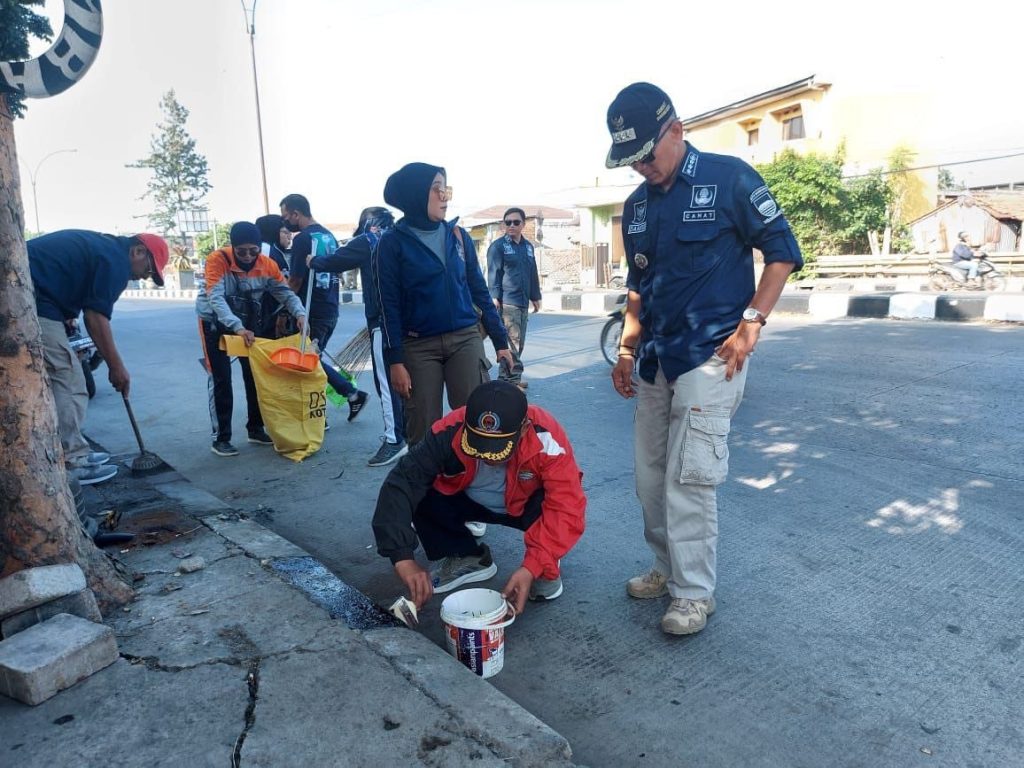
(496, 460)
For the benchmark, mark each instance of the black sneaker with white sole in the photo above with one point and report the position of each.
(260, 437)
(546, 589)
(224, 448)
(356, 403)
(453, 572)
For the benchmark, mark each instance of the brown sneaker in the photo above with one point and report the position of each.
(651, 584)
(686, 617)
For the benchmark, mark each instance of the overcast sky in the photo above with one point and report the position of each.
(509, 97)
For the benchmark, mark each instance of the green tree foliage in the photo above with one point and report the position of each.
(17, 22)
(204, 240)
(809, 188)
(180, 174)
(946, 180)
(830, 214)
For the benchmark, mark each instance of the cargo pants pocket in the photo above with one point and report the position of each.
(705, 451)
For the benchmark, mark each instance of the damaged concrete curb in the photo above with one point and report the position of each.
(467, 699)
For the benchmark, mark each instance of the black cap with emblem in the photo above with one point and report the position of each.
(495, 413)
(635, 120)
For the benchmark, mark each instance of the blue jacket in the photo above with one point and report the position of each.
(355, 254)
(418, 296)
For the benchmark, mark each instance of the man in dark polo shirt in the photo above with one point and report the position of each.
(75, 271)
(693, 318)
(515, 285)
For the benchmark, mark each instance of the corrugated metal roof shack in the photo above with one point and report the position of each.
(991, 219)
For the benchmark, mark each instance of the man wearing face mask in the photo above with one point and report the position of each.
(237, 278)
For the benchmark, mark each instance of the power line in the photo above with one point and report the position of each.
(936, 165)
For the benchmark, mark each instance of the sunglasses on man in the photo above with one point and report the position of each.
(513, 222)
(242, 250)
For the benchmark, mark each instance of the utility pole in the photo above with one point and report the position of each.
(250, 23)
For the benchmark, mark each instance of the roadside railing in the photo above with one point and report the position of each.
(903, 265)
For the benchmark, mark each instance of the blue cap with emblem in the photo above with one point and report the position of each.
(495, 412)
(635, 120)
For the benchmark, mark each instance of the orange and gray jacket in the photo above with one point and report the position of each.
(225, 280)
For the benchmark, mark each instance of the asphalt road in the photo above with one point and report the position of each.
(871, 588)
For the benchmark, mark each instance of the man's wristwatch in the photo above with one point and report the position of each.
(751, 315)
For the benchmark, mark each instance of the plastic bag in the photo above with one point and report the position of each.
(293, 403)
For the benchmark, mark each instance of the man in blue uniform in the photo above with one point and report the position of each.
(514, 283)
(74, 271)
(693, 318)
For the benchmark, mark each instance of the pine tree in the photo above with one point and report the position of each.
(17, 23)
(179, 181)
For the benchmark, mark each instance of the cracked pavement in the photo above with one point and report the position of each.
(232, 666)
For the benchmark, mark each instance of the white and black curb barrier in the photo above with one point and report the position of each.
(1005, 307)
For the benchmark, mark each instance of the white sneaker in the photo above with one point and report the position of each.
(477, 529)
(687, 617)
(93, 475)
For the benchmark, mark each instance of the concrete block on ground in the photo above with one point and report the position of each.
(45, 659)
(35, 586)
(912, 305)
(1005, 307)
(571, 302)
(828, 305)
(593, 303)
(794, 303)
(874, 305)
(959, 307)
(81, 604)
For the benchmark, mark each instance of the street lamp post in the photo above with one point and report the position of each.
(33, 175)
(250, 23)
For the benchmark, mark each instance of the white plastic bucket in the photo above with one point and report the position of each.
(474, 628)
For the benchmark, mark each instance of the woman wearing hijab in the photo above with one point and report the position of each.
(237, 278)
(430, 291)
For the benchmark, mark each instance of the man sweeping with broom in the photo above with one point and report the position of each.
(355, 254)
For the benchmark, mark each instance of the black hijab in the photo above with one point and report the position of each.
(408, 190)
(270, 228)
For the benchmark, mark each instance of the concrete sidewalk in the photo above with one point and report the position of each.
(260, 657)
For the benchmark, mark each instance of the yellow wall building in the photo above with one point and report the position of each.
(811, 115)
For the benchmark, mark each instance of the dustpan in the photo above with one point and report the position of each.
(299, 359)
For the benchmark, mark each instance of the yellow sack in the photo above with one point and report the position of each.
(293, 403)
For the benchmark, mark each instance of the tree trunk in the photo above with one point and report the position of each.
(38, 521)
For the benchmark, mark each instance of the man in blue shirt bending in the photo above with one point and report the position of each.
(75, 271)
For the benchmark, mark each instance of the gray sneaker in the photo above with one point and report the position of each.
(92, 475)
(546, 589)
(97, 458)
(387, 453)
(224, 448)
(453, 572)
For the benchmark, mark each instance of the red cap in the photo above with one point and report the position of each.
(158, 248)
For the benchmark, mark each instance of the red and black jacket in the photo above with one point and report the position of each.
(543, 459)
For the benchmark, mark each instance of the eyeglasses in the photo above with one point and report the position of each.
(649, 157)
(242, 250)
(444, 193)
(513, 222)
